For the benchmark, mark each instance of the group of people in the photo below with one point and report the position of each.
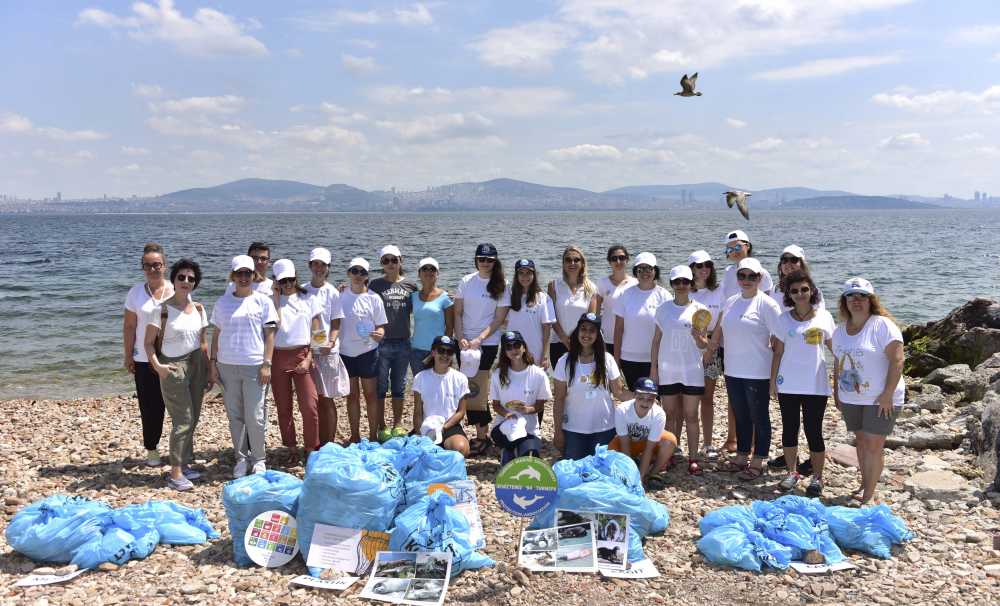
(624, 361)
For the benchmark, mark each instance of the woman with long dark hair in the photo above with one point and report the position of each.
(572, 296)
(518, 392)
(531, 312)
(439, 394)
(610, 289)
(707, 291)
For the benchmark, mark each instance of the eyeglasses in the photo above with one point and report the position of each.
(152, 266)
(442, 351)
(856, 295)
(389, 260)
(644, 268)
(790, 259)
(707, 264)
(731, 249)
(681, 281)
(512, 346)
(485, 260)
(262, 259)
(429, 268)
(186, 278)
(805, 290)
(747, 277)
(573, 260)
(618, 258)
(286, 281)
(243, 273)
(358, 271)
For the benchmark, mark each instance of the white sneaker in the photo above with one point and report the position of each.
(190, 473)
(153, 458)
(259, 467)
(240, 469)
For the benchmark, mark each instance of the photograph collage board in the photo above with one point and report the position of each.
(406, 577)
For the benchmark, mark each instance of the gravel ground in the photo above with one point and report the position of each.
(92, 447)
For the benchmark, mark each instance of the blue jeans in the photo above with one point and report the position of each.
(417, 359)
(393, 362)
(750, 399)
(580, 445)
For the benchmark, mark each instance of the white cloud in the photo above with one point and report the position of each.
(149, 91)
(224, 104)
(14, 123)
(974, 136)
(514, 101)
(359, 66)
(765, 145)
(18, 124)
(735, 122)
(121, 171)
(996, 57)
(207, 33)
(530, 46)
(988, 150)
(428, 129)
(904, 141)
(943, 101)
(134, 151)
(415, 15)
(828, 67)
(979, 34)
(323, 136)
(585, 151)
(205, 157)
(394, 95)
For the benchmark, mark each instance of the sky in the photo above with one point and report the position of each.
(871, 96)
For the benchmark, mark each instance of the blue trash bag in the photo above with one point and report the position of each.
(873, 530)
(122, 538)
(731, 515)
(177, 524)
(375, 450)
(53, 529)
(246, 498)
(433, 524)
(407, 450)
(431, 467)
(790, 529)
(611, 463)
(349, 488)
(814, 511)
(734, 545)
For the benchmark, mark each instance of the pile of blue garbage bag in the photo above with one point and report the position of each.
(76, 530)
(776, 533)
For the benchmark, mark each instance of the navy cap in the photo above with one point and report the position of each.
(445, 341)
(591, 318)
(524, 263)
(645, 385)
(486, 250)
(511, 336)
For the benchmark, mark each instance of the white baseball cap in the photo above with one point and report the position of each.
(283, 268)
(320, 254)
(751, 264)
(699, 256)
(389, 249)
(359, 262)
(858, 285)
(645, 258)
(242, 262)
(736, 234)
(428, 261)
(795, 250)
(681, 271)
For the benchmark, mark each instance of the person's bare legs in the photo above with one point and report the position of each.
(459, 444)
(872, 465)
(708, 412)
(397, 412)
(354, 410)
(791, 457)
(327, 420)
(675, 413)
(818, 460)
(664, 450)
(690, 405)
(368, 386)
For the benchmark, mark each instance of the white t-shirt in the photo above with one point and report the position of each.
(588, 409)
(803, 368)
(141, 303)
(569, 307)
(731, 286)
(363, 313)
(265, 288)
(628, 423)
(528, 386)
(297, 312)
(637, 307)
(713, 300)
(747, 325)
(329, 300)
(182, 331)
(779, 298)
(680, 360)
(863, 363)
(478, 307)
(241, 321)
(609, 297)
(440, 394)
(529, 321)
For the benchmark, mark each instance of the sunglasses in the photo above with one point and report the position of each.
(485, 260)
(707, 264)
(791, 260)
(261, 259)
(286, 281)
(681, 281)
(512, 346)
(573, 260)
(429, 268)
(805, 290)
(152, 266)
(358, 271)
(856, 295)
(186, 278)
(442, 351)
(243, 273)
(732, 249)
(618, 258)
(747, 277)
(644, 268)
(389, 260)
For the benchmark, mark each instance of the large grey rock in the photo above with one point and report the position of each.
(950, 372)
(924, 396)
(938, 485)
(986, 441)
(969, 334)
(934, 439)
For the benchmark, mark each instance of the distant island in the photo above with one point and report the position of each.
(273, 195)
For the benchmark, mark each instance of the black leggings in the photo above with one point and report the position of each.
(812, 407)
(151, 407)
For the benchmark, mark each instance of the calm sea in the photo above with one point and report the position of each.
(63, 279)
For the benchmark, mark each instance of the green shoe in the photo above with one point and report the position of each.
(385, 435)
(399, 432)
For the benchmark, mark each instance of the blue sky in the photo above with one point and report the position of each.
(873, 96)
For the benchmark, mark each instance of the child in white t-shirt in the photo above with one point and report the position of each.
(439, 398)
(635, 421)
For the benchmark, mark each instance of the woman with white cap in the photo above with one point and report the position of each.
(531, 312)
(299, 317)
(748, 320)
(328, 370)
(572, 296)
(610, 289)
(439, 394)
(361, 332)
(676, 359)
(518, 391)
(738, 247)
(394, 350)
(433, 313)
(242, 352)
(634, 323)
(793, 259)
(707, 291)
(868, 377)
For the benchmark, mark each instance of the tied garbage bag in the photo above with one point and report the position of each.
(373, 450)
(873, 530)
(177, 524)
(122, 538)
(789, 529)
(407, 450)
(246, 498)
(430, 466)
(731, 515)
(814, 512)
(734, 545)
(611, 463)
(53, 529)
(433, 524)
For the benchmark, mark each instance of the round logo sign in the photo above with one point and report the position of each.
(526, 486)
(271, 539)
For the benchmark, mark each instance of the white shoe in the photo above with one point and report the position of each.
(190, 473)
(240, 469)
(259, 467)
(153, 458)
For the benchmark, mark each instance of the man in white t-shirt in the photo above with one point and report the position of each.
(640, 425)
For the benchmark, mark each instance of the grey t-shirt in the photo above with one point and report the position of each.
(398, 305)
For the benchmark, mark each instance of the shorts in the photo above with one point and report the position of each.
(633, 371)
(865, 417)
(489, 356)
(636, 447)
(609, 347)
(330, 375)
(454, 430)
(713, 370)
(679, 388)
(364, 366)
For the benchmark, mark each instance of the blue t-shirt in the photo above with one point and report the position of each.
(428, 319)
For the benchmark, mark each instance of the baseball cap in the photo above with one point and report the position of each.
(591, 318)
(359, 262)
(681, 271)
(751, 264)
(428, 261)
(320, 254)
(645, 258)
(699, 256)
(858, 285)
(524, 263)
(736, 234)
(445, 341)
(795, 250)
(242, 262)
(389, 249)
(486, 250)
(511, 336)
(284, 268)
(645, 385)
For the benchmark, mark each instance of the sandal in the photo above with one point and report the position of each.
(751, 473)
(730, 466)
(478, 447)
(694, 468)
(711, 454)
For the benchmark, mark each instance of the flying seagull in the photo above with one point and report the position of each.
(687, 86)
(740, 199)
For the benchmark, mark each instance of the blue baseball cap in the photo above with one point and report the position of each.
(524, 264)
(445, 341)
(591, 318)
(645, 385)
(511, 336)
(486, 250)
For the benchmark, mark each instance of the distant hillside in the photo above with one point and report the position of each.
(248, 189)
(853, 203)
(698, 190)
(796, 193)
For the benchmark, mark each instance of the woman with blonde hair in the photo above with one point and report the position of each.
(572, 295)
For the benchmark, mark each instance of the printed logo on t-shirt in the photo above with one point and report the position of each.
(850, 372)
(813, 336)
(637, 431)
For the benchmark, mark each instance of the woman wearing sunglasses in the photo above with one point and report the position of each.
(738, 247)
(518, 392)
(572, 296)
(634, 323)
(531, 312)
(439, 394)
(481, 306)
(433, 313)
(610, 289)
(677, 367)
(394, 350)
(707, 291)
(139, 303)
(300, 316)
(799, 379)
(793, 259)
(242, 352)
(361, 332)
(868, 377)
(328, 370)
(177, 351)
(748, 320)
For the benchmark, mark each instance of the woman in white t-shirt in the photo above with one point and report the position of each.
(738, 247)
(518, 392)
(531, 312)
(572, 296)
(748, 320)
(328, 370)
(587, 381)
(677, 364)
(481, 306)
(707, 291)
(799, 379)
(439, 394)
(179, 356)
(793, 259)
(610, 289)
(868, 377)
(242, 351)
(362, 329)
(634, 324)
(301, 316)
